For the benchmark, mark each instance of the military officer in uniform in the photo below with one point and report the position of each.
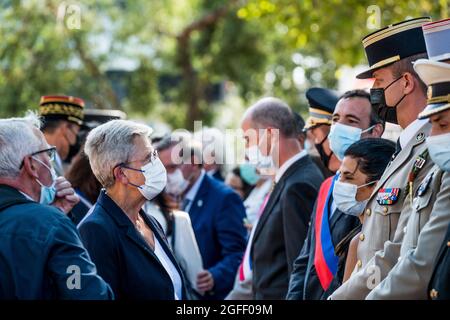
(62, 119)
(430, 214)
(399, 96)
(437, 36)
(321, 107)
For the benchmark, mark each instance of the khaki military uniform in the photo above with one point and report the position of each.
(423, 236)
(382, 232)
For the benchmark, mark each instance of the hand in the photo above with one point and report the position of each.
(66, 198)
(205, 281)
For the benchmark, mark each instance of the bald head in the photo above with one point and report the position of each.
(272, 112)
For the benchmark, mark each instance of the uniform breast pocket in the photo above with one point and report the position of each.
(421, 215)
(388, 216)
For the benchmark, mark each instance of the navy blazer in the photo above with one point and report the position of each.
(123, 258)
(41, 253)
(217, 214)
(282, 228)
(304, 283)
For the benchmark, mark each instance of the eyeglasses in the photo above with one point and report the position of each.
(51, 153)
(149, 158)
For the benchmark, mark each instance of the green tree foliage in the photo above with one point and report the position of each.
(71, 47)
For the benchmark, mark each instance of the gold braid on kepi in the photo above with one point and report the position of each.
(321, 102)
(62, 108)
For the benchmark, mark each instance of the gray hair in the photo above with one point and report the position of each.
(110, 144)
(273, 112)
(19, 137)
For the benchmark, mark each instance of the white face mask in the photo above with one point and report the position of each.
(155, 178)
(439, 149)
(176, 183)
(256, 158)
(344, 196)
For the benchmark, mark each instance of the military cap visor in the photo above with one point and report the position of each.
(436, 75)
(393, 43)
(321, 106)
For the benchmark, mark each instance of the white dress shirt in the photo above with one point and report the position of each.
(182, 241)
(289, 163)
(170, 269)
(408, 133)
(255, 199)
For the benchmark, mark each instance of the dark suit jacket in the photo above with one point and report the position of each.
(123, 258)
(41, 253)
(282, 228)
(304, 283)
(218, 175)
(440, 281)
(217, 214)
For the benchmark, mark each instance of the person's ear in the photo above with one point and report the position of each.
(30, 167)
(378, 130)
(409, 83)
(119, 175)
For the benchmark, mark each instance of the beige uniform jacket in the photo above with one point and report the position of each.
(382, 232)
(423, 237)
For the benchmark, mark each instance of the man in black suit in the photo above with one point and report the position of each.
(353, 110)
(272, 145)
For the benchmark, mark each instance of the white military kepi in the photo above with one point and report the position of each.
(436, 75)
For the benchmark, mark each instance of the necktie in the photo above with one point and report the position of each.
(185, 204)
(398, 148)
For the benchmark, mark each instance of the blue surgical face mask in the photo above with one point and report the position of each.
(342, 136)
(48, 193)
(439, 149)
(248, 173)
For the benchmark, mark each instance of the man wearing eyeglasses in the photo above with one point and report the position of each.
(41, 254)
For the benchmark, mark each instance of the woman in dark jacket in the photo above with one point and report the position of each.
(128, 247)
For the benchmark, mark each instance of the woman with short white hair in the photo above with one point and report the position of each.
(128, 247)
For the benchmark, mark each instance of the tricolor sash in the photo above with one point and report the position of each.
(325, 260)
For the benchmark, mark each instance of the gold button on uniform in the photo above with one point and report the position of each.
(362, 237)
(359, 264)
(448, 244)
(368, 212)
(433, 294)
(385, 210)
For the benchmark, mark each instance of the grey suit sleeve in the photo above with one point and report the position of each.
(410, 276)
